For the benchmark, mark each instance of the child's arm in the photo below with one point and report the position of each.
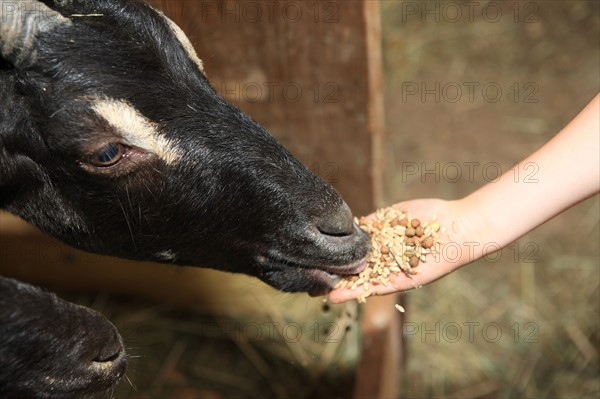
(562, 173)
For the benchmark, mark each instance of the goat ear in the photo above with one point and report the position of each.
(17, 137)
(17, 171)
(13, 169)
(21, 24)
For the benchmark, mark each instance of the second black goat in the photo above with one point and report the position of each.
(54, 349)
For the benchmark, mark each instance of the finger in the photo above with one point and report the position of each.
(397, 283)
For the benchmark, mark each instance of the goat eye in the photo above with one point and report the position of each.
(108, 155)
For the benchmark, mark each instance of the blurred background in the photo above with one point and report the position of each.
(532, 312)
(469, 89)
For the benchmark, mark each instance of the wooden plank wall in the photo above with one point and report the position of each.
(309, 71)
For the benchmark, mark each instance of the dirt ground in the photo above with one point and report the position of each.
(471, 88)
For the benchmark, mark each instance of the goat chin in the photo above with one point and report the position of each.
(315, 281)
(53, 349)
(113, 140)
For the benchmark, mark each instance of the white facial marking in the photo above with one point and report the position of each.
(185, 42)
(135, 128)
(166, 255)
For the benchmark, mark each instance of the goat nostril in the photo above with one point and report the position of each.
(335, 233)
(107, 356)
(338, 223)
(110, 351)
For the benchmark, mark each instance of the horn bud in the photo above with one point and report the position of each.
(22, 22)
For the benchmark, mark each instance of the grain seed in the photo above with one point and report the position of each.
(400, 244)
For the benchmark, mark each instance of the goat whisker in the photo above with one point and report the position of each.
(127, 221)
(130, 383)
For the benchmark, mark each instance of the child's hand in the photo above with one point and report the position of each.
(484, 221)
(459, 247)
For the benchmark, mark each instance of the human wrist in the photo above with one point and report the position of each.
(472, 229)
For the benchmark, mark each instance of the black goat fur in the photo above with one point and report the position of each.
(53, 349)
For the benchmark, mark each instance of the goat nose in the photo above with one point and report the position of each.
(337, 223)
(109, 351)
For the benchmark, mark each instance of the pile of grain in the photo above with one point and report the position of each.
(399, 245)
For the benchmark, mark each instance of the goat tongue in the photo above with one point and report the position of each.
(353, 268)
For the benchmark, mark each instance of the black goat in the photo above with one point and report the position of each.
(50, 348)
(113, 140)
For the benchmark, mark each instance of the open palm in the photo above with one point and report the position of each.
(459, 247)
